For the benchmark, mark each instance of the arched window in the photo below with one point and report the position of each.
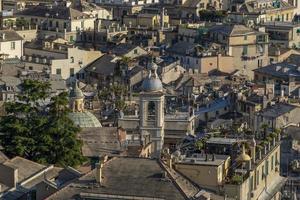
(151, 111)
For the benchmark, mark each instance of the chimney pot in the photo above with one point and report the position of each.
(99, 167)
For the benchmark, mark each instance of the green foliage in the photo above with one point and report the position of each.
(259, 147)
(21, 22)
(42, 133)
(237, 179)
(264, 127)
(264, 142)
(211, 15)
(120, 104)
(114, 94)
(199, 144)
(272, 135)
(277, 131)
(269, 138)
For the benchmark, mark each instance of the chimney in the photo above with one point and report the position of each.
(219, 61)
(104, 159)
(8, 174)
(277, 51)
(99, 167)
(282, 93)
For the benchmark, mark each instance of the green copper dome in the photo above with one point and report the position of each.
(84, 119)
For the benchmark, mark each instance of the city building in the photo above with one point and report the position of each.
(61, 57)
(283, 34)
(257, 11)
(58, 20)
(247, 47)
(251, 173)
(11, 44)
(137, 178)
(276, 117)
(22, 178)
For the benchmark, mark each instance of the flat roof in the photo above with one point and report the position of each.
(219, 140)
(205, 159)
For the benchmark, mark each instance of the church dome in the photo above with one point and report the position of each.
(79, 115)
(243, 157)
(152, 83)
(84, 119)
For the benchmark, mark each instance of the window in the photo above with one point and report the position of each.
(245, 37)
(50, 23)
(56, 24)
(135, 51)
(262, 172)
(72, 72)
(58, 71)
(13, 45)
(72, 59)
(65, 24)
(245, 50)
(257, 177)
(82, 24)
(151, 111)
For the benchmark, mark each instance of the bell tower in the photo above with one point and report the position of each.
(152, 110)
(76, 99)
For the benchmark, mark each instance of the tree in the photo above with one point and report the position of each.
(65, 147)
(37, 131)
(21, 22)
(264, 127)
(199, 144)
(211, 15)
(122, 66)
